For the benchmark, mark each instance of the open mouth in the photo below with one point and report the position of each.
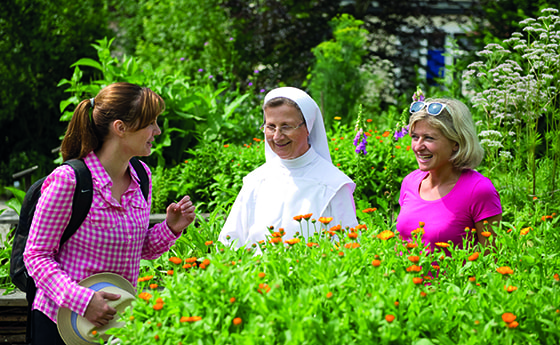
(424, 157)
(282, 145)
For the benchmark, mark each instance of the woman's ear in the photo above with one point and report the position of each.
(118, 127)
(456, 147)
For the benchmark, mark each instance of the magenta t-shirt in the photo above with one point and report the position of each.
(472, 199)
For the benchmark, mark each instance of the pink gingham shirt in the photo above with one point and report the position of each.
(113, 238)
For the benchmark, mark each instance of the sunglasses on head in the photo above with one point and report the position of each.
(432, 108)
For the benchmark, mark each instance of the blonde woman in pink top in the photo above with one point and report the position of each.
(106, 132)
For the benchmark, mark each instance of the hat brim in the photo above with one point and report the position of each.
(66, 318)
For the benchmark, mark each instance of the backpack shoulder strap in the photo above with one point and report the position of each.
(142, 175)
(83, 196)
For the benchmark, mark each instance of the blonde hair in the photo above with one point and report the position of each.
(456, 124)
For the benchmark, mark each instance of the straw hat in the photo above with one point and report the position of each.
(75, 329)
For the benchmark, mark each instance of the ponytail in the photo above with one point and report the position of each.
(80, 137)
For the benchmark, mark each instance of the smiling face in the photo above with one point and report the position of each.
(432, 149)
(286, 146)
(139, 142)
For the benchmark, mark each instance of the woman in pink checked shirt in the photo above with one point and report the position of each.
(106, 132)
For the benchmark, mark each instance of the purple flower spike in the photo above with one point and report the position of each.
(401, 134)
(200, 70)
(360, 145)
(210, 76)
(262, 90)
(182, 59)
(256, 71)
(250, 84)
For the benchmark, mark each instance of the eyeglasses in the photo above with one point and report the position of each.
(434, 108)
(285, 130)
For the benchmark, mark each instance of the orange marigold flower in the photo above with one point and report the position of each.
(386, 134)
(263, 287)
(472, 279)
(158, 306)
(414, 258)
(525, 231)
(156, 337)
(190, 318)
(417, 280)
(361, 226)
(203, 266)
(508, 317)
(329, 294)
(442, 244)
(170, 272)
(411, 245)
(423, 294)
(208, 243)
(307, 216)
(556, 277)
(226, 146)
(153, 286)
(325, 220)
(175, 260)
(435, 267)
(474, 256)
(386, 234)
(421, 224)
(191, 260)
(389, 317)
(146, 278)
(486, 233)
(145, 296)
(369, 210)
(513, 324)
(353, 235)
(257, 139)
(312, 244)
(292, 241)
(262, 275)
(276, 240)
(94, 332)
(376, 263)
(232, 300)
(397, 303)
(206, 262)
(336, 228)
(419, 231)
(352, 245)
(187, 266)
(237, 321)
(414, 268)
(504, 270)
(298, 218)
(510, 288)
(340, 253)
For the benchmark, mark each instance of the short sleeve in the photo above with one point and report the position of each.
(485, 200)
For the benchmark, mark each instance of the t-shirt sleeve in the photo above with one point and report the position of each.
(485, 200)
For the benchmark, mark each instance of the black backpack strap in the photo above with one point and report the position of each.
(142, 175)
(83, 196)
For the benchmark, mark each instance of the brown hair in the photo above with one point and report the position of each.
(136, 106)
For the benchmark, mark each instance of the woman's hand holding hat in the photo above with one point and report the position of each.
(98, 312)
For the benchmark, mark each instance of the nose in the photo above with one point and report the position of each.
(277, 134)
(157, 130)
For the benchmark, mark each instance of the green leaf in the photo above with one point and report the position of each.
(88, 62)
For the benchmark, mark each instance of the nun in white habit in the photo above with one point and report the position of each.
(298, 176)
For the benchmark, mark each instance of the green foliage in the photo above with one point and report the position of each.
(337, 294)
(197, 107)
(337, 81)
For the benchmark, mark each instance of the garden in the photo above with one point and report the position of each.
(368, 287)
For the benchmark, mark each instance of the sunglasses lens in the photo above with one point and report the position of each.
(416, 106)
(435, 108)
